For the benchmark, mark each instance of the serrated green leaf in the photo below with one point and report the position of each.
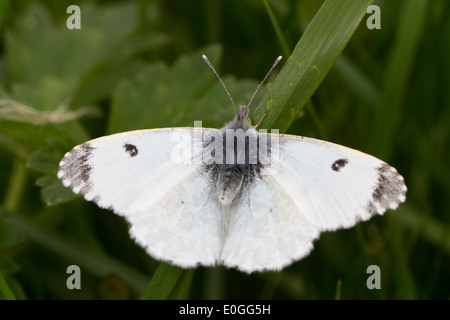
(151, 98)
(162, 96)
(48, 62)
(45, 181)
(103, 77)
(44, 161)
(60, 53)
(56, 193)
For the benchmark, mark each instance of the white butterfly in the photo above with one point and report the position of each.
(239, 215)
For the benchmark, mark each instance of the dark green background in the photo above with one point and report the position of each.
(137, 64)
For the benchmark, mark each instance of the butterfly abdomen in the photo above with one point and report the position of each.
(229, 182)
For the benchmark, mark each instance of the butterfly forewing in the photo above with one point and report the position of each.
(334, 186)
(126, 172)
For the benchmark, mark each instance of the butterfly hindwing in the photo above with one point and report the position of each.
(266, 231)
(184, 226)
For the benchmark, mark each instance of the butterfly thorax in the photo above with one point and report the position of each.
(236, 157)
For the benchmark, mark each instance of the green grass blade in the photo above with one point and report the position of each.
(162, 283)
(397, 75)
(404, 284)
(214, 284)
(432, 230)
(312, 58)
(5, 289)
(276, 27)
(337, 295)
(4, 8)
(357, 82)
(287, 52)
(389, 112)
(17, 184)
(99, 265)
(316, 120)
(182, 289)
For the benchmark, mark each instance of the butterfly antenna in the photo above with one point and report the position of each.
(259, 86)
(218, 77)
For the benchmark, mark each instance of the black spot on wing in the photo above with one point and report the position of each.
(75, 169)
(389, 191)
(339, 164)
(131, 149)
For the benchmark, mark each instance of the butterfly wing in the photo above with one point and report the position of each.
(127, 172)
(167, 203)
(184, 226)
(315, 186)
(334, 186)
(266, 230)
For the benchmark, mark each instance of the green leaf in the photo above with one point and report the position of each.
(46, 161)
(162, 283)
(162, 96)
(312, 58)
(48, 62)
(158, 93)
(54, 192)
(100, 81)
(39, 50)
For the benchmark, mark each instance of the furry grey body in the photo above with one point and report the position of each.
(230, 176)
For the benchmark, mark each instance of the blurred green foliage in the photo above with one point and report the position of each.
(137, 64)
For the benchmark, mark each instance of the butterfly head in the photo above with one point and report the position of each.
(242, 114)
